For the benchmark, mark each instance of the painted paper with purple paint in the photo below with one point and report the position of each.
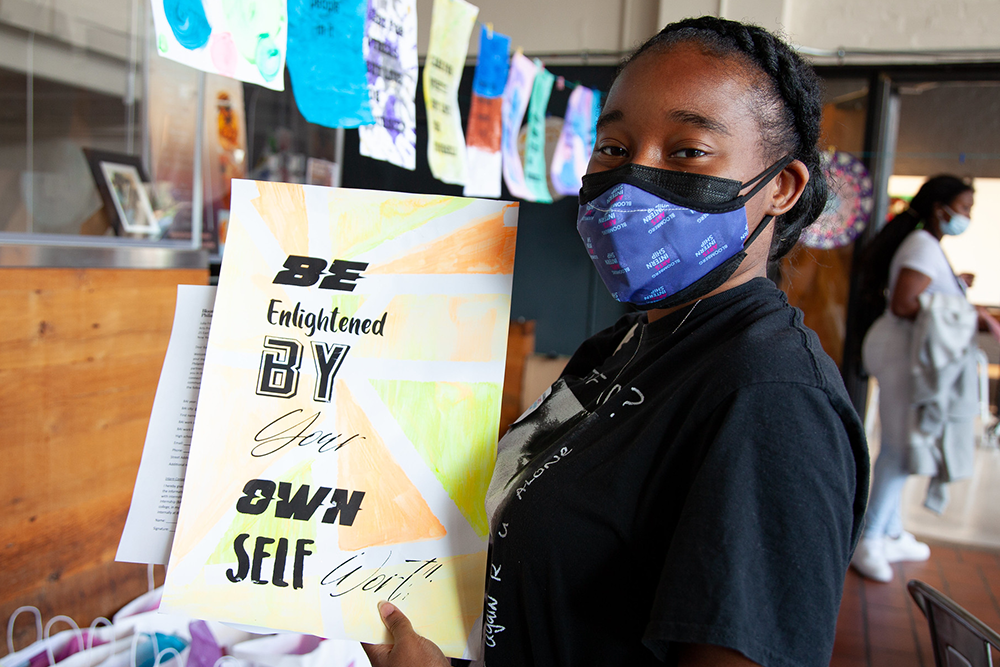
(325, 60)
(576, 142)
(242, 39)
(515, 102)
(390, 51)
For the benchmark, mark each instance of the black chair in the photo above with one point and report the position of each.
(960, 639)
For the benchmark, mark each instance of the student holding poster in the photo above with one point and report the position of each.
(691, 489)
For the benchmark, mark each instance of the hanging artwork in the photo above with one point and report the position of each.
(485, 115)
(535, 172)
(576, 141)
(516, 94)
(390, 50)
(451, 26)
(346, 426)
(326, 63)
(849, 206)
(242, 39)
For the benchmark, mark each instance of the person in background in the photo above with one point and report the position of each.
(906, 261)
(690, 491)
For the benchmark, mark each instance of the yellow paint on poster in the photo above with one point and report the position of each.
(394, 511)
(485, 246)
(449, 423)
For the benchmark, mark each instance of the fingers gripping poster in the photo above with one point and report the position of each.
(347, 422)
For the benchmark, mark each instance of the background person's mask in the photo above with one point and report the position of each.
(957, 224)
(660, 238)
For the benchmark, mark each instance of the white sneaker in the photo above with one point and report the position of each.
(869, 559)
(905, 547)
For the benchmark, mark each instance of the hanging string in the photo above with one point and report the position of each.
(48, 629)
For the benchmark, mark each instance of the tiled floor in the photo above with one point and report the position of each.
(881, 626)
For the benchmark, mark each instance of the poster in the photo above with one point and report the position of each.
(576, 141)
(245, 40)
(516, 94)
(485, 116)
(451, 26)
(347, 421)
(390, 50)
(325, 61)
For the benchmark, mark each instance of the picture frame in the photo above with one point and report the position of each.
(120, 179)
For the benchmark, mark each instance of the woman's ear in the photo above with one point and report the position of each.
(791, 182)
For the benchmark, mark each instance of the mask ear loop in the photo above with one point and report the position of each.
(765, 177)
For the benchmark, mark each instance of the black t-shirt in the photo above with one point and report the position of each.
(698, 479)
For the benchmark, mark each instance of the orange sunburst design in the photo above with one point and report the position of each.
(393, 510)
(485, 246)
(284, 212)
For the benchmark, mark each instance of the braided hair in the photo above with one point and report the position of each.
(787, 102)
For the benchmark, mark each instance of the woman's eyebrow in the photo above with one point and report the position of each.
(609, 117)
(698, 120)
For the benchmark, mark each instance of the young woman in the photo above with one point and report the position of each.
(906, 258)
(692, 487)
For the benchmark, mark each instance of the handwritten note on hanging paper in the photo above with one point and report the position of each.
(242, 40)
(483, 131)
(535, 172)
(576, 142)
(391, 54)
(325, 60)
(451, 26)
(516, 94)
(346, 427)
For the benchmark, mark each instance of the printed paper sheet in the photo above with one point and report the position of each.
(391, 56)
(242, 40)
(451, 26)
(347, 422)
(325, 61)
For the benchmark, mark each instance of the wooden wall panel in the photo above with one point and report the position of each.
(80, 356)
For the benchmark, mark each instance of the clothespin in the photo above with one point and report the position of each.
(560, 83)
(489, 31)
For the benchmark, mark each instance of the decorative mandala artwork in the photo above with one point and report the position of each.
(849, 206)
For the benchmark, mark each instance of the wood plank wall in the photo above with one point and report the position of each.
(80, 356)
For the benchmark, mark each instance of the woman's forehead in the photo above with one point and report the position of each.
(682, 80)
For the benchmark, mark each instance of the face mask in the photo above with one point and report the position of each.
(956, 225)
(660, 238)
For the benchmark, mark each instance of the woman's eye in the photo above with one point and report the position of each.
(689, 153)
(612, 151)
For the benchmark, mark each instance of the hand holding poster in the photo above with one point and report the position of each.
(347, 422)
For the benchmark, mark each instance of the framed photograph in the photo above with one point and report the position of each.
(120, 179)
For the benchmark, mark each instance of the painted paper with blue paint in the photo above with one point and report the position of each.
(576, 141)
(535, 173)
(241, 39)
(390, 51)
(491, 68)
(326, 62)
(516, 94)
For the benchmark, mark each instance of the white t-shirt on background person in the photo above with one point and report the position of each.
(922, 252)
